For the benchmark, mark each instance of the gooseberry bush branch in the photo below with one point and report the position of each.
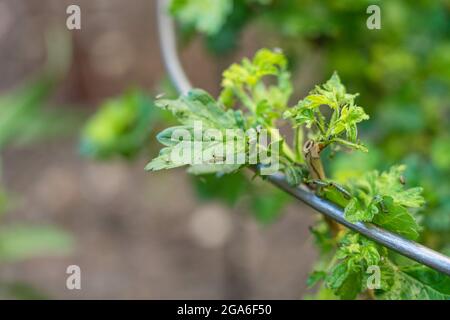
(255, 97)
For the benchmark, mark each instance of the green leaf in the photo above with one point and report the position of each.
(354, 212)
(358, 251)
(198, 105)
(429, 277)
(213, 168)
(244, 81)
(387, 275)
(397, 219)
(315, 277)
(350, 115)
(344, 282)
(166, 137)
(337, 276)
(411, 198)
(203, 140)
(351, 145)
(383, 200)
(163, 161)
(204, 157)
(266, 62)
(293, 175)
(406, 287)
(334, 85)
(389, 184)
(313, 101)
(356, 254)
(302, 116)
(351, 286)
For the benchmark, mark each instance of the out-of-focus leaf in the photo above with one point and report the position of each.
(206, 16)
(18, 242)
(348, 166)
(227, 38)
(14, 109)
(265, 202)
(228, 188)
(24, 113)
(438, 220)
(440, 153)
(20, 291)
(267, 206)
(315, 277)
(121, 127)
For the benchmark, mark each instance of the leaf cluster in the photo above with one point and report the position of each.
(385, 200)
(341, 126)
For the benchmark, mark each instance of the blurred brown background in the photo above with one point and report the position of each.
(137, 235)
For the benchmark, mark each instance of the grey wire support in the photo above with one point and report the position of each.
(388, 239)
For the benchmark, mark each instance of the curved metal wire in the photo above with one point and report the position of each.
(388, 239)
(168, 43)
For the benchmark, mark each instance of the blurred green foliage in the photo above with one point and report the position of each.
(262, 200)
(121, 126)
(20, 242)
(207, 16)
(21, 291)
(26, 116)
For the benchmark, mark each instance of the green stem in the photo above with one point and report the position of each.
(246, 100)
(287, 151)
(298, 144)
(331, 124)
(321, 128)
(331, 263)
